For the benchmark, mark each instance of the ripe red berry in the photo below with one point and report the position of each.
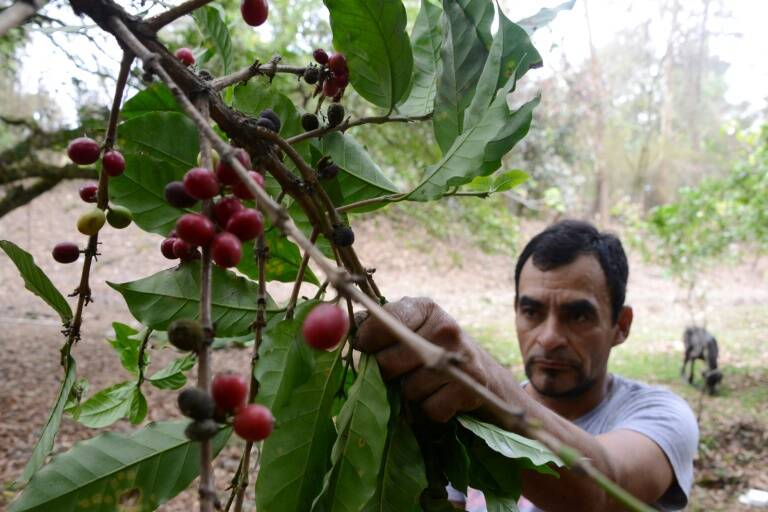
(337, 63)
(83, 151)
(325, 326)
(246, 224)
(229, 391)
(330, 88)
(227, 174)
(226, 250)
(341, 80)
(241, 191)
(113, 163)
(254, 12)
(195, 229)
(201, 183)
(186, 56)
(183, 250)
(224, 208)
(254, 422)
(65, 252)
(166, 247)
(89, 192)
(176, 195)
(320, 55)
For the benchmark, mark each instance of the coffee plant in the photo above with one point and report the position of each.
(245, 188)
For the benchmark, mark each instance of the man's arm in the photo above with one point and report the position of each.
(630, 459)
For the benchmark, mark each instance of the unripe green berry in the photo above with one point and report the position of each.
(186, 334)
(119, 217)
(90, 223)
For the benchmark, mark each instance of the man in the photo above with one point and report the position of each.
(570, 284)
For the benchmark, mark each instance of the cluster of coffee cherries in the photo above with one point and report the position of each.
(86, 151)
(332, 79)
(227, 400)
(231, 222)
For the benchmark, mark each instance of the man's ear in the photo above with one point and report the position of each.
(624, 324)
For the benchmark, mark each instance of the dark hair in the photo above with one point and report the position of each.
(563, 241)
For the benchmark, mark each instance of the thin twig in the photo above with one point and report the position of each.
(18, 13)
(254, 69)
(299, 279)
(155, 23)
(347, 123)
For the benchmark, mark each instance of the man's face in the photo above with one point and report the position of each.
(564, 326)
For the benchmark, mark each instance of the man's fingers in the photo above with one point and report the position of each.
(447, 401)
(396, 360)
(373, 336)
(421, 383)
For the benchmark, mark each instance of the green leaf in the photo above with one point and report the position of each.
(490, 471)
(477, 151)
(544, 16)
(155, 98)
(108, 405)
(496, 503)
(36, 281)
(305, 225)
(511, 54)
(283, 262)
(466, 38)
(402, 475)
(426, 40)
(170, 294)
(508, 180)
(76, 394)
(159, 147)
(127, 346)
(173, 376)
(513, 446)
(209, 21)
(351, 481)
(47, 435)
(297, 452)
(371, 34)
(359, 178)
(97, 474)
(138, 409)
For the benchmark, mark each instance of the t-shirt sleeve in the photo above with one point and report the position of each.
(667, 420)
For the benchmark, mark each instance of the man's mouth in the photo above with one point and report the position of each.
(553, 364)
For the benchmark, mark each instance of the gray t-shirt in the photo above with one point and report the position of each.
(653, 411)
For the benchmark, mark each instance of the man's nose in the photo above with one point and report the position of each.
(551, 335)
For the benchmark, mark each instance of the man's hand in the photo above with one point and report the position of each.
(440, 397)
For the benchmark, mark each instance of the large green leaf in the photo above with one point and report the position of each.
(159, 147)
(173, 376)
(478, 151)
(51, 427)
(209, 21)
(111, 469)
(155, 98)
(283, 262)
(297, 452)
(544, 16)
(371, 33)
(109, 405)
(170, 294)
(402, 475)
(35, 279)
(360, 177)
(511, 53)
(513, 446)
(351, 481)
(426, 40)
(466, 38)
(488, 470)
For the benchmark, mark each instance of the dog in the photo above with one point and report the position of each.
(700, 344)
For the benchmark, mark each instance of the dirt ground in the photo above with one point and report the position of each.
(478, 290)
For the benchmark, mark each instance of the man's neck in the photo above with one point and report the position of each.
(574, 407)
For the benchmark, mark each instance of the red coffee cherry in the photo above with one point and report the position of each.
(226, 250)
(226, 174)
(201, 183)
(229, 391)
(195, 229)
(184, 251)
(320, 55)
(89, 192)
(65, 252)
(330, 88)
(176, 195)
(341, 80)
(224, 208)
(246, 224)
(254, 422)
(113, 163)
(325, 326)
(83, 151)
(166, 247)
(186, 56)
(241, 191)
(337, 63)
(254, 12)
